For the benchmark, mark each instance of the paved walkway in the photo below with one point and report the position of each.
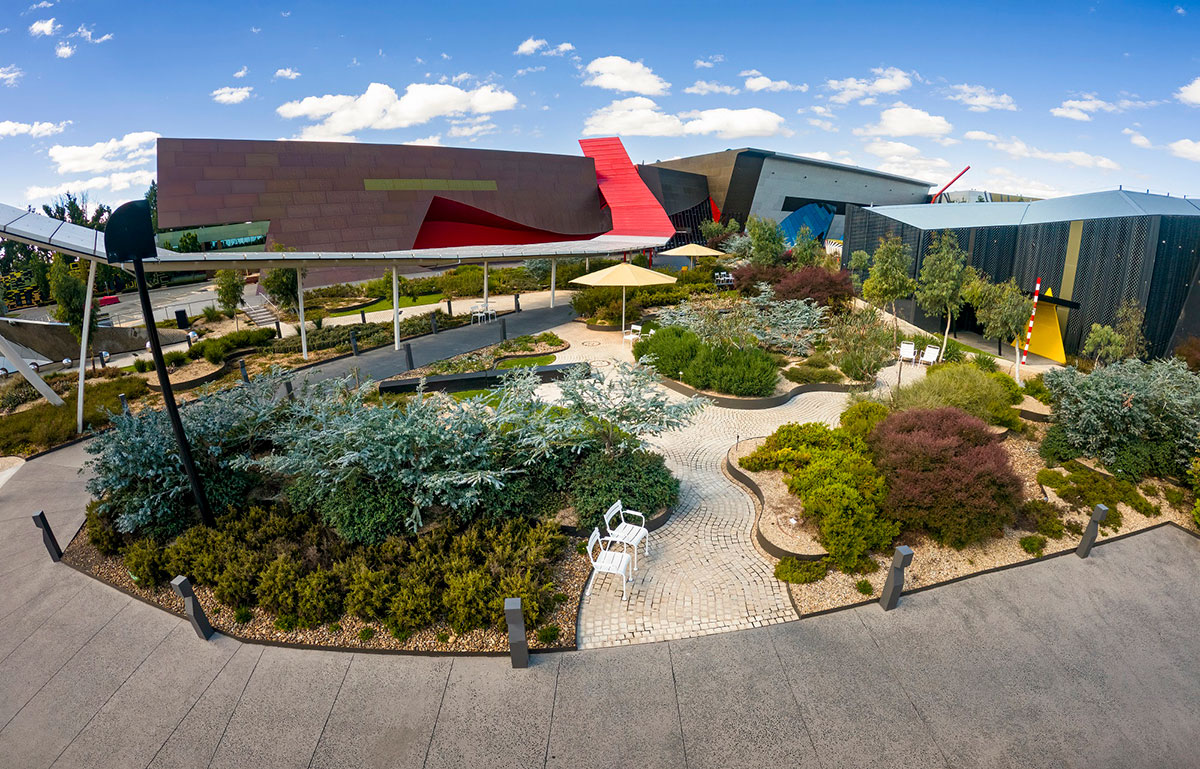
(1062, 663)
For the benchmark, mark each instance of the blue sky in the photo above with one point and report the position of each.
(1040, 98)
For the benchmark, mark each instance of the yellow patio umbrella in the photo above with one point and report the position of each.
(624, 275)
(692, 251)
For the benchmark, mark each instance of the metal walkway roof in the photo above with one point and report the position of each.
(57, 235)
(1093, 205)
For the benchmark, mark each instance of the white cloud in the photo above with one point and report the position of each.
(616, 73)
(639, 116)
(1003, 180)
(445, 56)
(241, 72)
(886, 81)
(531, 46)
(285, 14)
(1136, 138)
(88, 33)
(428, 141)
(10, 75)
(287, 73)
(36, 130)
(757, 81)
(703, 87)
(132, 149)
(1179, 9)
(473, 128)
(842, 156)
(380, 108)
(113, 182)
(44, 28)
(980, 98)
(64, 50)
(1082, 108)
(903, 120)
(1186, 149)
(1190, 93)
(1019, 149)
(702, 64)
(232, 95)
(39, 6)
(255, 30)
(529, 70)
(906, 160)
(559, 50)
(824, 125)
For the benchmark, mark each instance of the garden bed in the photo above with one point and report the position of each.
(782, 396)
(570, 576)
(487, 358)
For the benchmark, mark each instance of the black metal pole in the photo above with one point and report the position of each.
(164, 381)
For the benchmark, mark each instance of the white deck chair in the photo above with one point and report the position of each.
(930, 355)
(627, 533)
(908, 352)
(605, 561)
(633, 334)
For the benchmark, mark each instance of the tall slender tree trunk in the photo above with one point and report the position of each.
(895, 326)
(945, 337)
(1017, 367)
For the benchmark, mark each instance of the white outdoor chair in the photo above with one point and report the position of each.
(633, 334)
(930, 355)
(908, 352)
(627, 533)
(605, 561)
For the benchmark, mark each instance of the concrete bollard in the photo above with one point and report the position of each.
(48, 539)
(516, 302)
(449, 307)
(408, 359)
(895, 580)
(1092, 531)
(191, 607)
(124, 404)
(433, 321)
(362, 316)
(242, 367)
(503, 330)
(278, 331)
(287, 387)
(354, 341)
(518, 646)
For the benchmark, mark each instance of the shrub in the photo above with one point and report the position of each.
(826, 288)
(850, 531)
(548, 634)
(798, 572)
(366, 634)
(864, 586)
(1188, 351)
(415, 604)
(861, 343)
(673, 349)
(946, 475)
(362, 510)
(1009, 385)
(747, 278)
(985, 363)
(805, 374)
(285, 622)
(1035, 387)
(1055, 448)
(144, 561)
(1040, 516)
(1083, 488)
(860, 419)
(101, 532)
(236, 585)
(1126, 403)
(318, 599)
(961, 386)
(1034, 544)
(466, 599)
(640, 479)
(199, 554)
(42, 425)
(212, 314)
(1143, 459)
(368, 594)
(242, 615)
(277, 586)
(175, 358)
(749, 372)
(142, 365)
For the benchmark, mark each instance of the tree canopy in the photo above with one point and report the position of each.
(888, 280)
(943, 275)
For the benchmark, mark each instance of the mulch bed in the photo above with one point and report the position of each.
(570, 575)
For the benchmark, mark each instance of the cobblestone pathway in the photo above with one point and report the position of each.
(703, 574)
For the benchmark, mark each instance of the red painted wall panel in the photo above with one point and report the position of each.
(635, 210)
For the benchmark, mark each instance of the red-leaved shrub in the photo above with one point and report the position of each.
(747, 278)
(828, 289)
(946, 474)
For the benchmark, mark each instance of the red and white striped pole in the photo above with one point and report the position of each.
(1029, 331)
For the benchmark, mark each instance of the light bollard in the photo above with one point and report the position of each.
(503, 330)
(48, 539)
(245, 376)
(191, 607)
(1092, 531)
(433, 321)
(408, 359)
(354, 341)
(518, 646)
(516, 302)
(895, 580)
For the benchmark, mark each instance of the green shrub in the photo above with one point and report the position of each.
(415, 604)
(1051, 479)
(212, 314)
(984, 362)
(318, 599)
(749, 372)
(1055, 447)
(1035, 387)
(286, 622)
(864, 586)
(805, 374)
(366, 634)
(277, 586)
(142, 365)
(1034, 544)
(1175, 497)
(548, 634)
(860, 419)
(467, 599)
(1040, 516)
(1143, 459)
(673, 349)
(43, 426)
(849, 532)
(199, 554)
(368, 594)
(640, 479)
(236, 585)
(1083, 488)
(362, 510)
(144, 561)
(101, 532)
(964, 387)
(1009, 385)
(242, 615)
(818, 360)
(861, 343)
(175, 358)
(798, 572)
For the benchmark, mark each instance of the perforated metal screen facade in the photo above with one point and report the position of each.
(1176, 262)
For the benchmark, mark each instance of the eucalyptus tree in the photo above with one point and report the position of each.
(940, 284)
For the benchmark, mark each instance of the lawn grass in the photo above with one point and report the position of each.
(386, 304)
(539, 360)
(44, 426)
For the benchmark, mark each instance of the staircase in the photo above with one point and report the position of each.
(261, 315)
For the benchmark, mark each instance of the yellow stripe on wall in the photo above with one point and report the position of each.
(448, 185)
(1074, 239)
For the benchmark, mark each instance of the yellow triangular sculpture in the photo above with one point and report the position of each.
(1047, 340)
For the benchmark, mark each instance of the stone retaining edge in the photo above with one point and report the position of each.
(770, 402)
